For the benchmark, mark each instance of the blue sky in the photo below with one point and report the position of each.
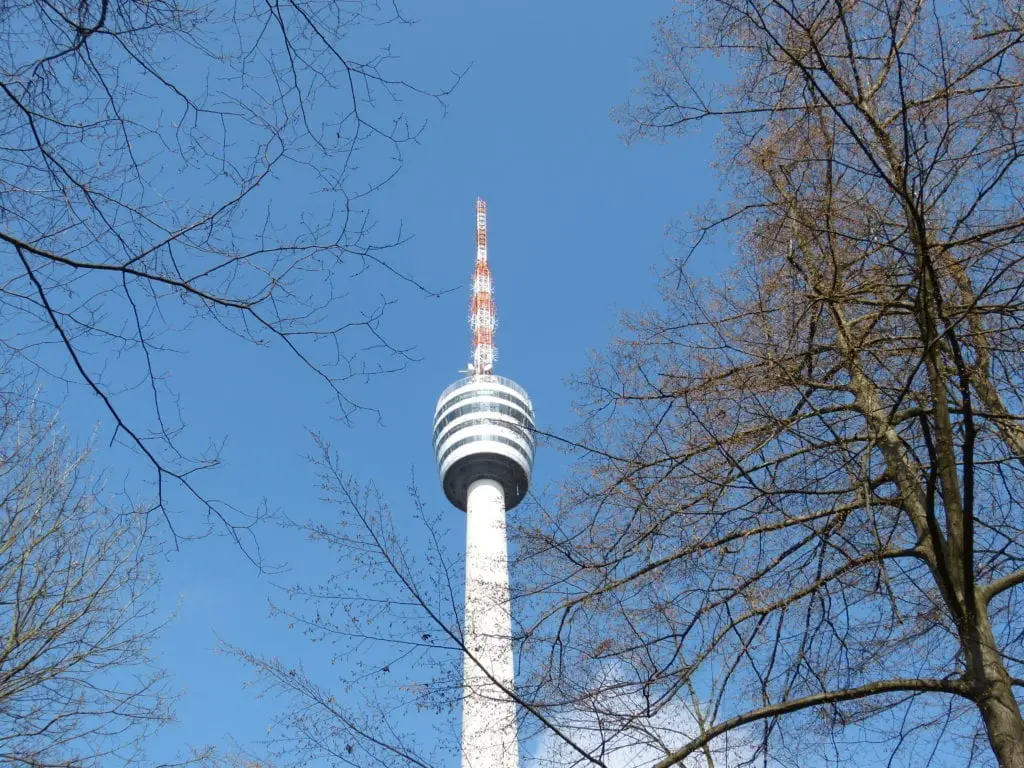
(578, 226)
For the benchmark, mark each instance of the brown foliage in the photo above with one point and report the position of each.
(803, 485)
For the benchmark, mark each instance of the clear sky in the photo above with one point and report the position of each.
(577, 227)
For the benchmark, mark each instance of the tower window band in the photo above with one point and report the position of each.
(477, 438)
(521, 417)
(519, 429)
(500, 394)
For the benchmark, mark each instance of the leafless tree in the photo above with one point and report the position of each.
(163, 163)
(388, 685)
(801, 481)
(76, 685)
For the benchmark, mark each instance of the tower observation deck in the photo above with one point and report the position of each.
(484, 444)
(483, 427)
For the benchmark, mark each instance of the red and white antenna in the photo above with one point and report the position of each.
(482, 316)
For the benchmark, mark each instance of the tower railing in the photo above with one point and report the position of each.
(485, 378)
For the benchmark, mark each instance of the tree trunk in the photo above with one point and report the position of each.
(1004, 725)
(997, 704)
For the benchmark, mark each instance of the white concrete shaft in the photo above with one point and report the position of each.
(488, 713)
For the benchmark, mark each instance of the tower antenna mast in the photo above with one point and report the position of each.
(483, 318)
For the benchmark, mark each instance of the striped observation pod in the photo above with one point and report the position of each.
(484, 427)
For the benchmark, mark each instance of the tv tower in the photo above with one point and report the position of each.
(484, 444)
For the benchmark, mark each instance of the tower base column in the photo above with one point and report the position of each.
(489, 734)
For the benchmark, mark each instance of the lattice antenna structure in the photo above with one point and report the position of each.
(483, 318)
